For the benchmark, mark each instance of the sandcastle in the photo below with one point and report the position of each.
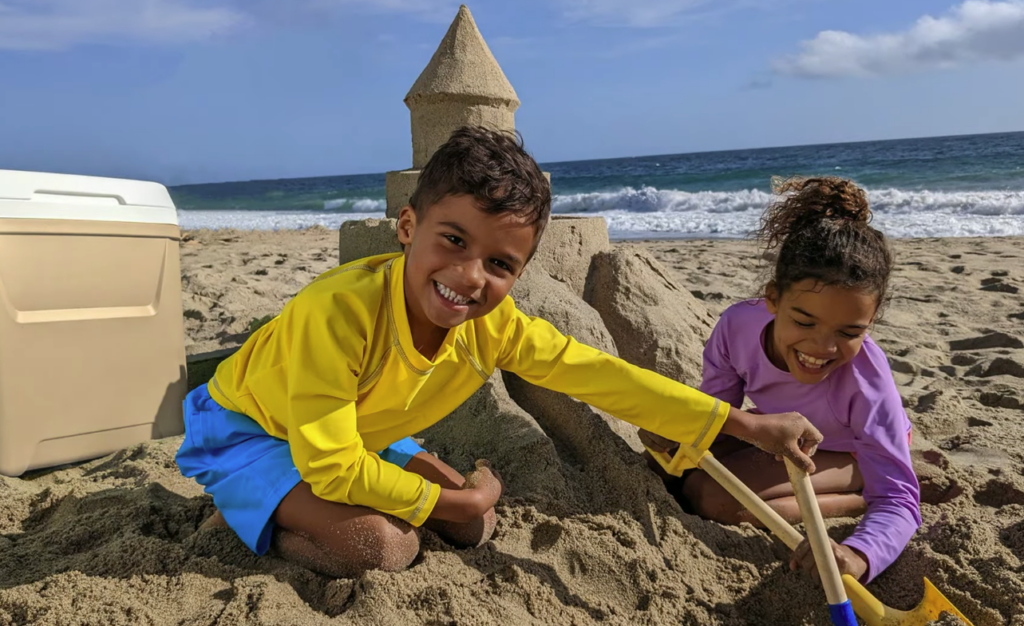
(621, 301)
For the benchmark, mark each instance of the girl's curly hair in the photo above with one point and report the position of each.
(819, 229)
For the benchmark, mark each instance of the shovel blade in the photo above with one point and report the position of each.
(874, 613)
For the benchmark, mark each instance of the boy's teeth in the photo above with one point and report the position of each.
(811, 361)
(450, 295)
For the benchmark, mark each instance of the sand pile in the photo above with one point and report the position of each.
(585, 533)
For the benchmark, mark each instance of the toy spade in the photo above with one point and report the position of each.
(864, 604)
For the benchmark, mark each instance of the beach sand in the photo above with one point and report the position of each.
(585, 533)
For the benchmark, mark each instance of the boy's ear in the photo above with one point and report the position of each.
(771, 297)
(406, 224)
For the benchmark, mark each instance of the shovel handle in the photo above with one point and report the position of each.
(751, 502)
(821, 546)
(685, 457)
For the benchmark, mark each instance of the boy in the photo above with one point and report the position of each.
(302, 436)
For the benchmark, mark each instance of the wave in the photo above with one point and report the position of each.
(648, 211)
(267, 220)
(651, 200)
(356, 205)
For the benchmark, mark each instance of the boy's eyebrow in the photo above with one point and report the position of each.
(803, 312)
(455, 227)
(506, 256)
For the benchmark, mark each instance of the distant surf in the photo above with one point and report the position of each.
(936, 187)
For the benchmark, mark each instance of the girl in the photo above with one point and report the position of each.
(803, 346)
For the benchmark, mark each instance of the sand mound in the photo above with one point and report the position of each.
(585, 533)
(656, 323)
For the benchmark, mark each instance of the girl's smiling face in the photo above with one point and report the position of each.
(817, 328)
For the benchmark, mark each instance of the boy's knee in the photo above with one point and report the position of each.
(710, 501)
(375, 542)
(388, 544)
(471, 534)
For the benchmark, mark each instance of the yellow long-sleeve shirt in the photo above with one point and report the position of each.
(337, 376)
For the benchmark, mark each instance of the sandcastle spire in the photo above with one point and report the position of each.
(463, 67)
(462, 84)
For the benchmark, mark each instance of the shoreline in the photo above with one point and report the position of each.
(646, 238)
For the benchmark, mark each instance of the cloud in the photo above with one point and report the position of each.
(975, 31)
(640, 13)
(62, 24)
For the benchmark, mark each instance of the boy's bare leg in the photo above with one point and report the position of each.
(214, 521)
(344, 541)
(837, 483)
(340, 540)
(465, 535)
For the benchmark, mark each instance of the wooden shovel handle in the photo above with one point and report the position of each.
(821, 546)
(750, 501)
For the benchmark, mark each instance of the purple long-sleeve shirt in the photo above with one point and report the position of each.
(857, 409)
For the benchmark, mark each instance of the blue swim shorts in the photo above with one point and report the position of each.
(247, 471)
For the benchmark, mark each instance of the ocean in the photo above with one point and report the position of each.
(958, 186)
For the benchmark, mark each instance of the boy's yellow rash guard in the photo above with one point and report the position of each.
(337, 376)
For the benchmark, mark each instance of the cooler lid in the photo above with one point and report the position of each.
(42, 195)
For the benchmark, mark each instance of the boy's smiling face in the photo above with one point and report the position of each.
(460, 262)
(817, 329)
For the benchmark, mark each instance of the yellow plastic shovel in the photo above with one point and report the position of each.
(866, 606)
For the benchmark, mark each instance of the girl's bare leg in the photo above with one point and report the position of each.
(837, 483)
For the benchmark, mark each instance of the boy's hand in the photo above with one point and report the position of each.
(478, 495)
(657, 442)
(485, 483)
(787, 435)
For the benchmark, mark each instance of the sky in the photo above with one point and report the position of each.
(188, 91)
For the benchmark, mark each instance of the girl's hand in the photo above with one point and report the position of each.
(849, 560)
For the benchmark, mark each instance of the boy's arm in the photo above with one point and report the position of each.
(536, 351)
(329, 454)
(324, 354)
(719, 379)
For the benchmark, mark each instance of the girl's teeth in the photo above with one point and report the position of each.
(450, 295)
(811, 362)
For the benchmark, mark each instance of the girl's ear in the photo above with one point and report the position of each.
(771, 297)
(406, 225)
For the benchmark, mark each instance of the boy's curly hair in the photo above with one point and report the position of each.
(493, 167)
(819, 229)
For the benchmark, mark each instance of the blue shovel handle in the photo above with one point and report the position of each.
(842, 614)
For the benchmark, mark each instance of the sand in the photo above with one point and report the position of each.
(585, 533)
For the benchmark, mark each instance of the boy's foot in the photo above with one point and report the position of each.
(214, 521)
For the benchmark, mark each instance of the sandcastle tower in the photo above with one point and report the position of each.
(461, 85)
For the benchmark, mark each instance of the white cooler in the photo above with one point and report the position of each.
(92, 355)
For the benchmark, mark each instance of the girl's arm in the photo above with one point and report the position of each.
(891, 490)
